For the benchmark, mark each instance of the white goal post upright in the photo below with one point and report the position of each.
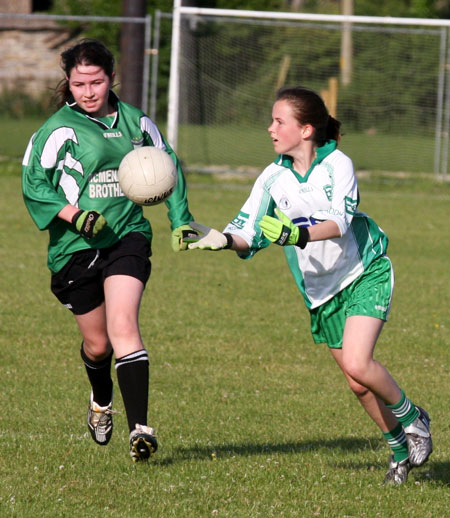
(442, 96)
(174, 83)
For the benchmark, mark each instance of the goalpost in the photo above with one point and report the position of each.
(226, 65)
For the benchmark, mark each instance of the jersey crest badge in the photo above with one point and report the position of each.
(240, 220)
(137, 142)
(350, 205)
(328, 189)
(284, 203)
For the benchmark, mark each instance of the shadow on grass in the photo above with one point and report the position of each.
(249, 449)
(432, 471)
(437, 472)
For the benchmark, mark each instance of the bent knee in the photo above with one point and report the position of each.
(356, 369)
(359, 390)
(355, 374)
(97, 349)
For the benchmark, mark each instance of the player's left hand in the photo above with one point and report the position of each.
(283, 231)
(210, 238)
(88, 223)
(179, 236)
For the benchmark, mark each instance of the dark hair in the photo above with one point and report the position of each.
(309, 108)
(85, 52)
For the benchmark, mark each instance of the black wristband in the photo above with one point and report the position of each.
(284, 236)
(303, 237)
(229, 238)
(76, 216)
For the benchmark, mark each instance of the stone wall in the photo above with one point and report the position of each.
(29, 60)
(29, 49)
(16, 6)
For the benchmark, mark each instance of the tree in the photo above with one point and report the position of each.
(132, 49)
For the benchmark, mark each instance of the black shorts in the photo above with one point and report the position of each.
(79, 284)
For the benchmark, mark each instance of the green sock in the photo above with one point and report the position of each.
(397, 441)
(404, 410)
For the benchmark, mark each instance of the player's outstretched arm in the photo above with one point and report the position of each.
(208, 238)
(211, 239)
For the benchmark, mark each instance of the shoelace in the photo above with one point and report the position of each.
(100, 419)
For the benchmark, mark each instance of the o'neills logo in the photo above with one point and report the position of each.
(113, 134)
(88, 224)
(152, 200)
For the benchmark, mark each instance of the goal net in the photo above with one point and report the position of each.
(385, 83)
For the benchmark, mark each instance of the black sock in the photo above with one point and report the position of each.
(133, 377)
(99, 374)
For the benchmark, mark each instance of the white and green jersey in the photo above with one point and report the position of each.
(328, 191)
(73, 158)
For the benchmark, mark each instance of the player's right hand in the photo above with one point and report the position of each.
(208, 239)
(88, 222)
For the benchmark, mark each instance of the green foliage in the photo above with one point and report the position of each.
(254, 420)
(231, 71)
(253, 5)
(109, 33)
(319, 56)
(17, 104)
(412, 87)
(399, 8)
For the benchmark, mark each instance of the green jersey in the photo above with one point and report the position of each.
(74, 158)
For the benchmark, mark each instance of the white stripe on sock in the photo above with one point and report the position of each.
(133, 357)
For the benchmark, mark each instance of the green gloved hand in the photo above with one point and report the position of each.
(282, 231)
(179, 236)
(88, 222)
(209, 238)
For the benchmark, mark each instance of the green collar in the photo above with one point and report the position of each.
(321, 153)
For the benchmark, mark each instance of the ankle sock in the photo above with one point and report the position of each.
(397, 441)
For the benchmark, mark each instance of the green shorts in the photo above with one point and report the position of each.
(370, 294)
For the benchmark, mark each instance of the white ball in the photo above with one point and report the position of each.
(147, 175)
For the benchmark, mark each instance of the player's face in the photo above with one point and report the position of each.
(286, 132)
(90, 86)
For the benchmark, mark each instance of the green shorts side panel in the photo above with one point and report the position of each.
(369, 295)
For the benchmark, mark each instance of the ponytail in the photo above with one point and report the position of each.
(333, 129)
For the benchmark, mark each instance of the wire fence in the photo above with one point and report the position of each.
(395, 108)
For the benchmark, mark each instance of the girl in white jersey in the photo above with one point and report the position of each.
(100, 242)
(306, 201)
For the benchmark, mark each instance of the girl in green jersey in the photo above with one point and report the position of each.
(100, 242)
(307, 202)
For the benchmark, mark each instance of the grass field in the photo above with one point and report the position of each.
(229, 146)
(253, 419)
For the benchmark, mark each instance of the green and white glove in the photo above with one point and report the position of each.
(282, 231)
(88, 222)
(179, 236)
(209, 239)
